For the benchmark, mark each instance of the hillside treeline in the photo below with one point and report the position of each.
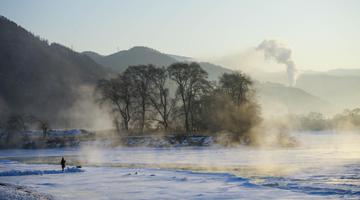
(179, 99)
(348, 120)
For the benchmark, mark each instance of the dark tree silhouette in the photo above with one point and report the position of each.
(41, 124)
(191, 82)
(45, 127)
(159, 96)
(17, 123)
(142, 91)
(141, 80)
(117, 92)
(236, 85)
(14, 127)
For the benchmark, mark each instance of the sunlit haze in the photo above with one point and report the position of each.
(322, 34)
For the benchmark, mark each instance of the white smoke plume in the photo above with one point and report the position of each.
(282, 55)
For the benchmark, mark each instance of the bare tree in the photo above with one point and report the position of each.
(117, 92)
(42, 124)
(191, 84)
(141, 80)
(17, 123)
(236, 85)
(45, 127)
(159, 96)
(14, 126)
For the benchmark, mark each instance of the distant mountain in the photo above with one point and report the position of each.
(119, 61)
(339, 88)
(344, 72)
(181, 58)
(279, 99)
(215, 71)
(290, 99)
(38, 78)
(143, 55)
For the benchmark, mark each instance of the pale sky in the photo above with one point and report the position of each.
(323, 34)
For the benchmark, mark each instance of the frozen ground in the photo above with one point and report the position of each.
(15, 192)
(325, 166)
(123, 183)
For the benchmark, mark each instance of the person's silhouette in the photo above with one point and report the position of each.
(63, 163)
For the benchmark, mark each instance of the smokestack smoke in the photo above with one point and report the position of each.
(282, 55)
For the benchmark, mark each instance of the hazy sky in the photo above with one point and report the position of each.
(323, 34)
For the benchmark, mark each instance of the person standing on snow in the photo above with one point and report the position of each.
(63, 163)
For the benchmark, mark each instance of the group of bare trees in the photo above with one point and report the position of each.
(23, 122)
(136, 95)
(177, 97)
(13, 127)
(192, 84)
(348, 120)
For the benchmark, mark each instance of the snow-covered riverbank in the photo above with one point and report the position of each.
(18, 192)
(123, 183)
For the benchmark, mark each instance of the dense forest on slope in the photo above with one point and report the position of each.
(39, 78)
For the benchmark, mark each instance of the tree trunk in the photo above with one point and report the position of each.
(142, 123)
(126, 125)
(187, 127)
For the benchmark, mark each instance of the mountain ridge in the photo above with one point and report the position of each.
(138, 55)
(40, 78)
